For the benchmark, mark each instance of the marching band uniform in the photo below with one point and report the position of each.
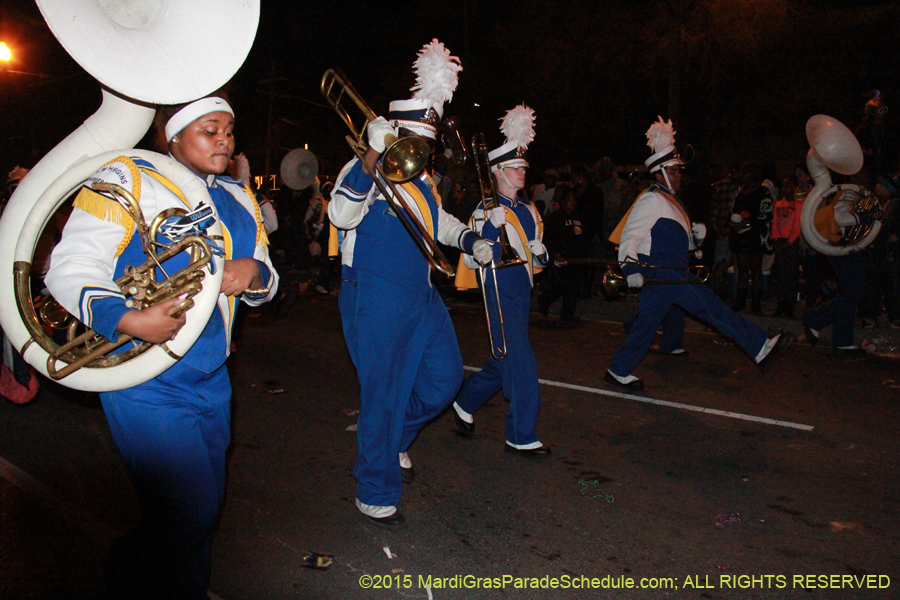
(173, 430)
(396, 326)
(657, 231)
(840, 312)
(516, 374)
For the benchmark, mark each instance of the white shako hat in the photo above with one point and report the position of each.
(661, 139)
(518, 127)
(436, 80)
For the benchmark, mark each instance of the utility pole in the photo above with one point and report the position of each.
(270, 123)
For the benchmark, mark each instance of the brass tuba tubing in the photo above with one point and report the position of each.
(406, 157)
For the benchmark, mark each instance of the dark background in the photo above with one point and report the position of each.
(596, 72)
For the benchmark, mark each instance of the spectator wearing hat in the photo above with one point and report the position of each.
(656, 231)
(516, 373)
(881, 257)
(396, 326)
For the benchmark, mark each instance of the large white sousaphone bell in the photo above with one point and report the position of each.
(833, 147)
(143, 52)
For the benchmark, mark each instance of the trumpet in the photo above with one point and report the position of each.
(508, 256)
(614, 281)
(403, 159)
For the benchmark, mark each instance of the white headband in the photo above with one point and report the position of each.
(194, 111)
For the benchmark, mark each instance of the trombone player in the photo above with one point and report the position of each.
(656, 230)
(396, 326)
(516, 373)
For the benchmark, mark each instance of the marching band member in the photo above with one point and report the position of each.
(173, 430)
(396, 325)
(517, 373)
(657, 231)
(838, 218)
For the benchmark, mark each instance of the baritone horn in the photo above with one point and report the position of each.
(143, 36)
(508, 256)
(402, 159)
(833, 147)
(448, 130)
(614, 281)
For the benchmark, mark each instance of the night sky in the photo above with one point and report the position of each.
(596, 73)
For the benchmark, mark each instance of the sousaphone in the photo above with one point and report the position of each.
(833, 147)
(142, 53)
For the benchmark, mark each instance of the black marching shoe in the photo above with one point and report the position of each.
(463, 429)
(533, 453)
(633, 386)
(785, 339)
(850, 354)
(811, 338)
(391, 521)
(407, 475)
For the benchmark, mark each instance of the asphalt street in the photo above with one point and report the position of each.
(716, 481)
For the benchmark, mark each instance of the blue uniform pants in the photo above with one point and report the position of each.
(407, 359)
(697, 299)
(172, 432)
(841, 312)
(672, 330)
(516, 374)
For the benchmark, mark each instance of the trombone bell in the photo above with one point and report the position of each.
(404, 158)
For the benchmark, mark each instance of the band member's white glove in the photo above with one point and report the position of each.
(736, 218)
(483, 252)
(497, 216)
(635, 280)
(536, 247)
(699, 231)
(377, 129)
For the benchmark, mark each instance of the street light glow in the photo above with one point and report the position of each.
(5, 52)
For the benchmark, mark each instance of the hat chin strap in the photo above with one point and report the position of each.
(666, 177)
(503, 173)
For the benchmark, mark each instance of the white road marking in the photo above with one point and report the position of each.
(700, 409)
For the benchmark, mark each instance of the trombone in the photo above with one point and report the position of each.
(614, 281)
(403, 159)
(508, 256)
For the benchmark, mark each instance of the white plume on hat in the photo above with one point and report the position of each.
(518, 126)
(661, 136)
(436, 73)
(661, 139)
